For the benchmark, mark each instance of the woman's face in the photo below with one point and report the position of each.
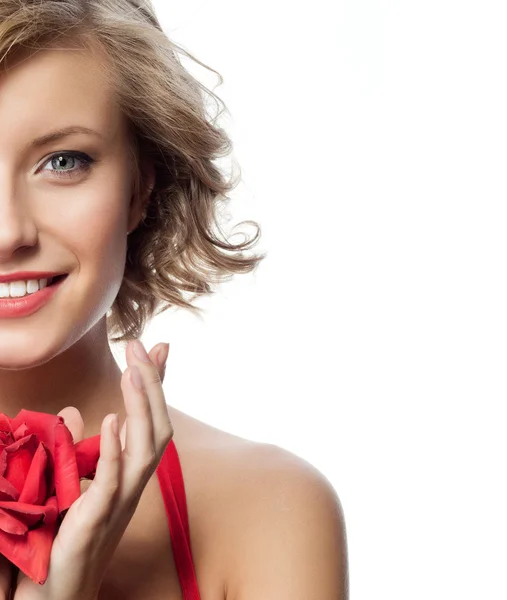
(64, 203)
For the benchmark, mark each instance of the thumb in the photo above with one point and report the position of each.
(74, 421)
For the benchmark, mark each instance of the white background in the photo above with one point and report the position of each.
(372, 341)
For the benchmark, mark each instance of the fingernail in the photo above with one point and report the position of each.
(140, 352)
(135, 375)
(162, 355)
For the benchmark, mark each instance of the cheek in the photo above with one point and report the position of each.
(96, 223)
(103, 252)
(96, 235)
(101, 246)
(102, 202)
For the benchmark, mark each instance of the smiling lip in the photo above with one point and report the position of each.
(26, 305)
(26, 275)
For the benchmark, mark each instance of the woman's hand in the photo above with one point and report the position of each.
(96, 522)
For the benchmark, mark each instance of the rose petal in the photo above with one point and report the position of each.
(11, 524)
(87, 456)
(7, 490)
(20, 432)
(31, 513)
(35, 486)
(3, 459)
(5, 425)
(41, 424)
(19, 459)
(50, 473)
(66, 472)
(27, 442)
(31, 552)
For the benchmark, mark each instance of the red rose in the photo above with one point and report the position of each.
(40, 470)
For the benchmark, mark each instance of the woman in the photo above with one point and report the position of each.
(110, 197)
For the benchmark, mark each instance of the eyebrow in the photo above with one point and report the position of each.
(53, 136)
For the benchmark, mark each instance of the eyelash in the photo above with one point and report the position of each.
(84, 158)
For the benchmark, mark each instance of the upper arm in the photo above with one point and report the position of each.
(289, 540)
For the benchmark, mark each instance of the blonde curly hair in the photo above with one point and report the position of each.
(179, 246)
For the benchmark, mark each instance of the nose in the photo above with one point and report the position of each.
(17, 228)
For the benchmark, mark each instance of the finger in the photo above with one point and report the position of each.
(162, 360)
(140, 451)
(97, 502)
(123, 435)
(74, 422)
(153, 355)
(158, 356)
(162, 425)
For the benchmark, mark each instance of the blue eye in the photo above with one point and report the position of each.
(63, 163)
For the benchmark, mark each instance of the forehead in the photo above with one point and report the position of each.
(56, 88)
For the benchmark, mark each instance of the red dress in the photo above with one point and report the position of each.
(173, 491)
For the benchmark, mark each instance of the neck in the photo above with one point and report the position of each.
(85, 375)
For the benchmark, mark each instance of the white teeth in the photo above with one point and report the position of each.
(18, 289)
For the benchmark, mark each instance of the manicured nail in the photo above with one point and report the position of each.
(140, 352)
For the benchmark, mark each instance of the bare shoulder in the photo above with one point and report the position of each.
(275, 520)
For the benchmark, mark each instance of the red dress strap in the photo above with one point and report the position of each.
(170, 478)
